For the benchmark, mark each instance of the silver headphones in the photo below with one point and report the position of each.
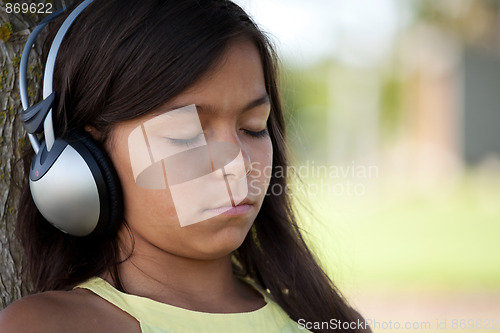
(72, 181)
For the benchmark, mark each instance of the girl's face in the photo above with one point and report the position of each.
(227, 112)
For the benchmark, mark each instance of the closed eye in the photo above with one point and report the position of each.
(185, 142)
(259, 134)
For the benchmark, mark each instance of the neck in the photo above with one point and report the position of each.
(200, 285)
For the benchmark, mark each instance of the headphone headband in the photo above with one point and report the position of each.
(43, 111)
(72, 181)
(23, 82)
(48, 125)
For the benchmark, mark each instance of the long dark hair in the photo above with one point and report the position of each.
(124, 58)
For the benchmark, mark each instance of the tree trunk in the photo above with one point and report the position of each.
(14, 31)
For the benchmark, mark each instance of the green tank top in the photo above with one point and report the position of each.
(156, 317)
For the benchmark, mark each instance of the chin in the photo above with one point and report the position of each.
(224, 240)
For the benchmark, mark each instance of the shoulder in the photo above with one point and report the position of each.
(64, 311)
(44, 312)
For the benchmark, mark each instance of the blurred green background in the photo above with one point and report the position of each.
(393, 111)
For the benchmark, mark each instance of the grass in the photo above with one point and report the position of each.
(444, 237)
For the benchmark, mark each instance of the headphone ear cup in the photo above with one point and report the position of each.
(75, 187)
(112, 206)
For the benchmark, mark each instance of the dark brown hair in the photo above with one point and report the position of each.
(124, 58)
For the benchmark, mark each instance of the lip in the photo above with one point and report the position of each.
(240, 209)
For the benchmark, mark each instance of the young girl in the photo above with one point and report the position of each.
(182, 99)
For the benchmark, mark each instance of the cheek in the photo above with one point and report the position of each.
(140, 203)
(154, 206)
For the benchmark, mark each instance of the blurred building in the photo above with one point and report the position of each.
(445, 109)
(481, 106)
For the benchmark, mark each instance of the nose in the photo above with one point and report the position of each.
(227, 152)
(230, 156)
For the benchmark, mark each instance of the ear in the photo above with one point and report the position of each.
(101, 138)
(96, 135)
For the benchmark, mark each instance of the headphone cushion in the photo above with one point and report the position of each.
(112, 182)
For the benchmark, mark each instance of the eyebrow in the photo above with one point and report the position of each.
(210, 109)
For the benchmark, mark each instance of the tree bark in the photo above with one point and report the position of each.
(14, 31)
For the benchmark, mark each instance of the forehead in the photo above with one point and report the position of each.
(235, 80)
